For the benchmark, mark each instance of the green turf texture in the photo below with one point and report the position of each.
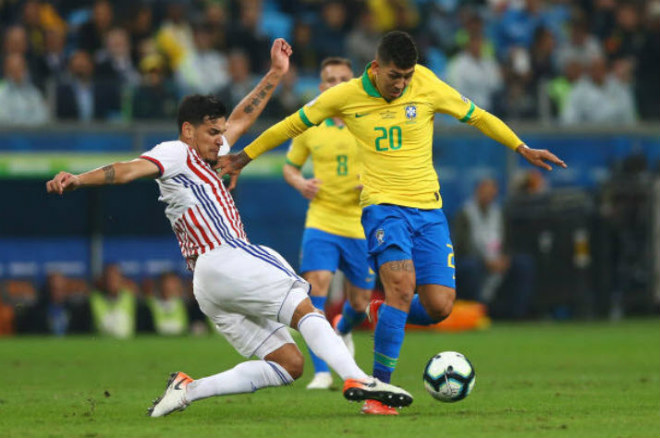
(533, 380)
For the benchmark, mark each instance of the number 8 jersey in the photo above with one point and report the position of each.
(333, 149)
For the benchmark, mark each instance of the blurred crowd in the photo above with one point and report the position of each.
(573, 62)
(114, 306)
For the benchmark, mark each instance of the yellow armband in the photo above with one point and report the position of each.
(276, 135)
(494, 128)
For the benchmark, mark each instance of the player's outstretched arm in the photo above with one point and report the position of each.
(307, 187)
(248, 109)
(496, 129)
(115, 173)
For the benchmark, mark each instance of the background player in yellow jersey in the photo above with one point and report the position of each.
(333, 236)
(390, 110)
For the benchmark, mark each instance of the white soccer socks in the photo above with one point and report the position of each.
(245, 377)
(325, 343)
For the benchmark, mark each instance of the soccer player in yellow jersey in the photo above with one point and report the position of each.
(390, 111)
(333, 236)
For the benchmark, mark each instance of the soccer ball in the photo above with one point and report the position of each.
(449, 376)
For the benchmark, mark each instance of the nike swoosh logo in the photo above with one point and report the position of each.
(178, 384)
(361, 115)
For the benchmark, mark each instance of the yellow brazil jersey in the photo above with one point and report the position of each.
(396, 137)
(333, 150)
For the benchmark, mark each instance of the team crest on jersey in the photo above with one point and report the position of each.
(380, 236)
(411, 112)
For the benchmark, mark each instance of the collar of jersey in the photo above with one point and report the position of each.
(371, 89)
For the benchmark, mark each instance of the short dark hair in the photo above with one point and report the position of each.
(336, 60)
(397, 47)
(196, 108)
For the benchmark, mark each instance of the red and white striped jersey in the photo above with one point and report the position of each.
(199, 207)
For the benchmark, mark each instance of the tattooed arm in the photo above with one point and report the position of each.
(115, 173)
(248, 109)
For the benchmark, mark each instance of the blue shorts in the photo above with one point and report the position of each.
(403, 233)
(323, 251)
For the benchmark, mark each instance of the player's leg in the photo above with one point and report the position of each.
(359, 283)
(389, 238)
(353, 313)
(320, 283)
(319, 259)
(320, 337)
(433, 255)
(280, 362)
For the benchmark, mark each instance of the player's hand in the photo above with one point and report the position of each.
(309, 188)
(279, 56)
(63, 182)
(540, 157)
(232, 164)
(233, 180)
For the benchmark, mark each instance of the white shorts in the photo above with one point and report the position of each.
(250, 292)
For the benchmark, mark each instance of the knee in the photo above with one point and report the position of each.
(442, 305)
(359, 300)
(294, 364)
(319, 281)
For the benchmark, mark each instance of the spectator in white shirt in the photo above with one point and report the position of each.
(475, 74)
(600, 97)
(580, 45)
(22, 103)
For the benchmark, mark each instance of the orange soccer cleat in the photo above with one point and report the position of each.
(373, 389)
(372, 311)
(374, 407)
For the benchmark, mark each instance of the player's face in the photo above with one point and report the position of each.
(391, 80)
(333, 75)
(207, 138)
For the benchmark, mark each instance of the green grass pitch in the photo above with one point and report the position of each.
(533, 380)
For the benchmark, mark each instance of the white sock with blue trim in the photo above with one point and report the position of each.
(245, 377)
(325, 343)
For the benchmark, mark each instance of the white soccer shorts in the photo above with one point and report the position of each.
(250, 292)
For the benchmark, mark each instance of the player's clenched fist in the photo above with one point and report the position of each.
(62, 182)
(279, 55)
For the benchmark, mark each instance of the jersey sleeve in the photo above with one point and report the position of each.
(327, 104)
(298, 151)
(449, 101)
(446, 99)
(168, 156)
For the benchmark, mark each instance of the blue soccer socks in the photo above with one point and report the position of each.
(389, 334)
(417, 314)
(349, 318)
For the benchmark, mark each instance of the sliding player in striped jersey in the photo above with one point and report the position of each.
(249, 291)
